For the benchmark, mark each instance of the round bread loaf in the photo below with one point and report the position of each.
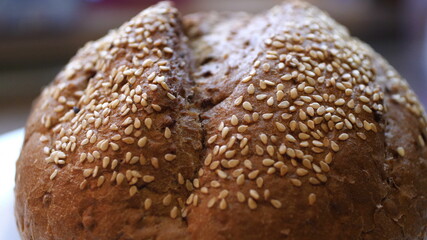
(225, 126)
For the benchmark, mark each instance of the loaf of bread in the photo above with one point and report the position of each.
(225, 126)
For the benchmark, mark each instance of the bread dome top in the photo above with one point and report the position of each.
(225, 126)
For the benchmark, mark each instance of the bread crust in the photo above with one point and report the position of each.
(225, 126)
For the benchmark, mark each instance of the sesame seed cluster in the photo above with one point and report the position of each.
(308, 91)
(120, 129)
(227, 117)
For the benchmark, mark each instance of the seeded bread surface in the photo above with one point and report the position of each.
(225, 126)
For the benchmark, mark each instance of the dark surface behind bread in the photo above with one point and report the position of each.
(214, 164)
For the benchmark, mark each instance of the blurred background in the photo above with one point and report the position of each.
(37, 37)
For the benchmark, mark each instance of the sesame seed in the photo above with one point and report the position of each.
(170, 157)
(316, 168)
(196, 183)
(234, 121)
(174, 212)
(222, 149)
(343, 136)
(147, 63)
(54, 174)
(253, 193)
(95, 171)
(277, 44)
(252, 204)
(246, 79)
(189, 200)
(114, 146)
(114, 164)
(233, 163)
(271, 170)
(267, 116)
(309, 89)
(276, 203)
(313, 181)
(119, 178)
(240, 197)
(214, 165)
(223, 204)
(142, 142)
(148, 123)
(100, 181)
(156, 107)
(240, 179)
(60, 154)
(324, 166)
(263, 138)
(266, 67)
(401, 151)
(83, 184)
(364, 99)
(311, 198)
(171, 96)
(230, 153)
(290, 138)
(261, 96)
(294, 93)
(317, 143)
(286, 77)
(301, 172)
(280, 126)
(133, 190)
(104, 145)
(180, 179)
(321, 177)
(328, 158)
(221, 174)
(208, 159)
(223, 194)
(251, 89)
(339, 102)
(128, 140)
(224, 132)
(147, 203)
(43, 139)
(215, 184)
(242, 128)
(83, 157)
(367, 109)
(253, 174)
(280, 95)
(247, 106)
(105, 162)
(211, 202)
(296, 182)
(148, 178)
(168, 133)
(96, 154)
(335, 146)
(167, 200)
(267, 162)
(87, 172)
(238, 101)
(259, 150)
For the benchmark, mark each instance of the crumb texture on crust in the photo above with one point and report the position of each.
(225, 126)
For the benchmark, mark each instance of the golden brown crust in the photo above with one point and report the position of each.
(228, 126)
